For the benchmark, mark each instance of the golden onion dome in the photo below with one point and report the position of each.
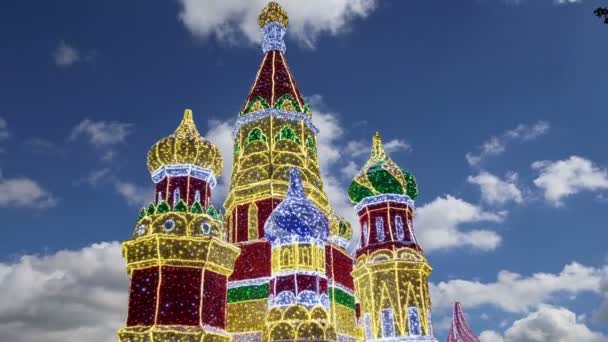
(273, 12)
(381, 175)
(185, 146)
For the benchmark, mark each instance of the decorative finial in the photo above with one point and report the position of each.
(378, 153)
(187, 127)
(273, 12)
(273, 21)
(295, 183)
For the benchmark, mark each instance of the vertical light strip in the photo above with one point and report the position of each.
(272, 80)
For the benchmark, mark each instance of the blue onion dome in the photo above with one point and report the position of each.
(380, 176)
(296, 218)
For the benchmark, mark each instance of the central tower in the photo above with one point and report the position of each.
(274, 133)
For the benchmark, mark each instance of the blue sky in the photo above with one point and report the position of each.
(516, 230)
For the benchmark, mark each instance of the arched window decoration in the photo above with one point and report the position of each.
(380, 228)
(367, 323)
(255, 135)
(388, 322)
(287, 133)
(286, 258)
(365, 235)
(410, 229)
(399, 226)
(310, 144)
(197, 196)
(414, 321)
(305, 256)
(176, 197)
(252, 222)
(159, 197)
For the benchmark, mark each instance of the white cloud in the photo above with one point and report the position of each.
(135, 195)
(498, 144)
(495, 190)
(4, 134)
(548, 323)
(95, 177)
(562, 178)
(515, 293)
(101, 133)
(566, 2)
(601, 314)
(65, 55)
(396, 145)
(228, 20)
(220, 134)
(23, 192)
(68, 296)
(438, 225)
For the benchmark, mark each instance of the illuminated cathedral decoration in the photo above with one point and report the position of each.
(275, 266)
(459, 329)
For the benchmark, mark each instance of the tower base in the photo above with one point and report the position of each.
(173, 334)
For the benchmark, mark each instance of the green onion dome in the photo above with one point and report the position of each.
(380, 176)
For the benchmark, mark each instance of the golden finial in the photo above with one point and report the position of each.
(187, 127)
(273, 12)
(378, 153)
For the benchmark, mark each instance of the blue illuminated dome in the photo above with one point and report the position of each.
(296, 219)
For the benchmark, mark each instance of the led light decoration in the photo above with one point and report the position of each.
(274, 133)
(177, 259)
(391, 272)
(274, 267)
(460, 331)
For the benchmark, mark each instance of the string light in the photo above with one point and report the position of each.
(391, 272)
(294, 279)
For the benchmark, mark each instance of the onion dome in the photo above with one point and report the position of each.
(296, 218)
(380, 176)
(273, 12)
(185, 146)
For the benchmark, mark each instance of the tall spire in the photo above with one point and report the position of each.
(273, 21)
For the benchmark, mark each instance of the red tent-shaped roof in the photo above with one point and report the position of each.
(460, 330)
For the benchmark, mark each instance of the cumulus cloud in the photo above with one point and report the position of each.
(220, 134)
(548, 323)
(515, 293)
(101, 133)
(65, 55)
(496, 145)
(68, 296)
(439, 225)
(134, 194)
(229, 20)
(495, 190)
(22, 192)
(563, 178)
(4, 134)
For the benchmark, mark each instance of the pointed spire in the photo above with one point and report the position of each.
(460, 330)
(273, 21)
(187, 127)
(378, 153)
(295, 183)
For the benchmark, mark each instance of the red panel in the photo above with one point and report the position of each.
(307, 282)
(254, 261)
(180, 296)
(285, 283)
(323, 285)
(142, 297)
(265, 208)
(241, 223)
(214, 299)
(162, 188)
(343, 266)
